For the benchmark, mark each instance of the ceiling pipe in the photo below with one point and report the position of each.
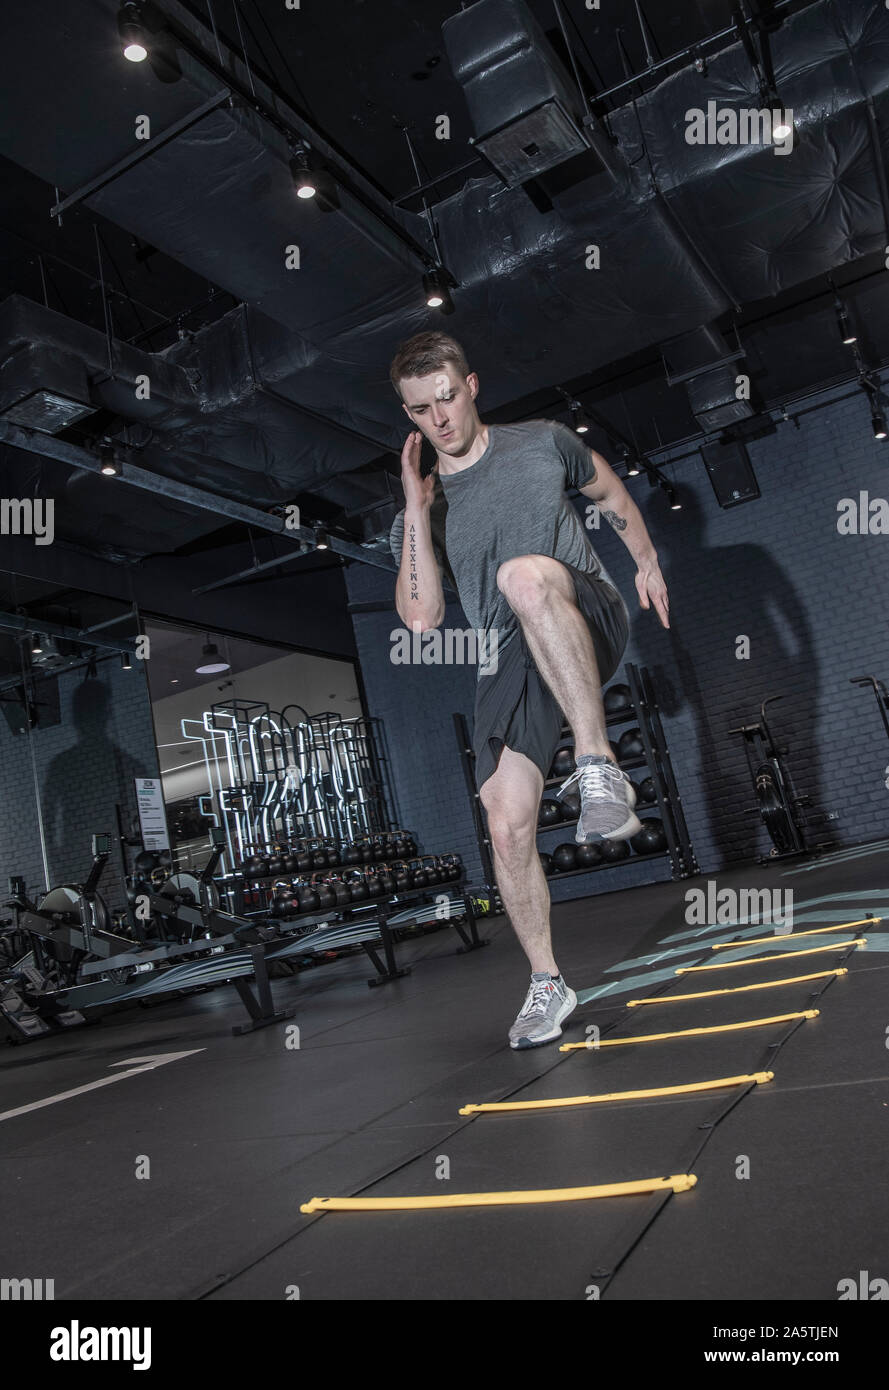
(32, 441)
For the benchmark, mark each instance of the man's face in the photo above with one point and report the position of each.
(442, 407)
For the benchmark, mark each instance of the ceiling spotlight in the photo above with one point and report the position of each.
(845, 326)
(578, 419)
(634, 467)
(36, 644)
(132, 32)
(303, 180)
(878, 421)
(321, 539)
(436, 288)
(210, 663)
(109, 466)
(675, 504)
(125, 662)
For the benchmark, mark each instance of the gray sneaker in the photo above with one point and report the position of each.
(607, 798)
(548, 1002)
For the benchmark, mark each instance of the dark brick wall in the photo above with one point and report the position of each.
(85, 764)
(812, 602)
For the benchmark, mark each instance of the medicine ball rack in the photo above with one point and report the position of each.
(642, 710)
(76, 961)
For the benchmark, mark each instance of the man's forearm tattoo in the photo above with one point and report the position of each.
(413, 562)
(618, 522)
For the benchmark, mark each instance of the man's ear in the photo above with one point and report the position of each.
(472, 383)
(406, 411)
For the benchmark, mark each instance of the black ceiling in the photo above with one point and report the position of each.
(275, 385)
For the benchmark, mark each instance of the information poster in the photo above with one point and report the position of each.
(152, 813)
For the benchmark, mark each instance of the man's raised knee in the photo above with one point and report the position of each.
(525, 582)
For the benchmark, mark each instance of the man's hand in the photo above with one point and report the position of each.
(652, 590)
(418, 492)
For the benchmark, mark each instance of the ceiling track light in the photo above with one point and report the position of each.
(634, 467)
(304, 180)
(322, 541)
(109, 464)
(844, 323)
(36, 644)
(675, 504)
(878, 423)
(125, 662)
(578, 419)
(781, 123)
(437, 285)
(131, 29)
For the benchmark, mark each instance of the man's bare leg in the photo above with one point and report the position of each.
(511, 798)
(541, 593)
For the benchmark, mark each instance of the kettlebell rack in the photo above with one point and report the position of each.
(640, 708)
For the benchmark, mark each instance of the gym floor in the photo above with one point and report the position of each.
(239, 1131)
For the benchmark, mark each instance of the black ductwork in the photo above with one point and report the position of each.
(293, 388)
(709, 371)
(525, 110)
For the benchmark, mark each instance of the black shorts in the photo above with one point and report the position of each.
(515, 708)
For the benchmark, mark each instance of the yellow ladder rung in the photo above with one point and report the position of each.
(778, 955)
(741, 989)
(679, 1182)
(688, 1032)
(792, 935)
(760, 1077)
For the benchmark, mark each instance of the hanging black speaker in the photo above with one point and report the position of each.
(730, 473)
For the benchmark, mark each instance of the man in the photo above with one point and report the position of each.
(526, 573)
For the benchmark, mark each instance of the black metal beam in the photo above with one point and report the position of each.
(145, 148)
(34, 442)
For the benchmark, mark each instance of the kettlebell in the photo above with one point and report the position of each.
(374, 888)
(402, 878)
(352, 855)
(387, 883)
(342, 893)
(326, 895)
(308, 900)
(358, 889)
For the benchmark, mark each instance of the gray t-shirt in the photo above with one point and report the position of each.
(510, 502)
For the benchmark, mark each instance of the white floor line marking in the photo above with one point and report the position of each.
(147, 1064)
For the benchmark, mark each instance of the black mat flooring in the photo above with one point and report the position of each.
(790, 1198)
